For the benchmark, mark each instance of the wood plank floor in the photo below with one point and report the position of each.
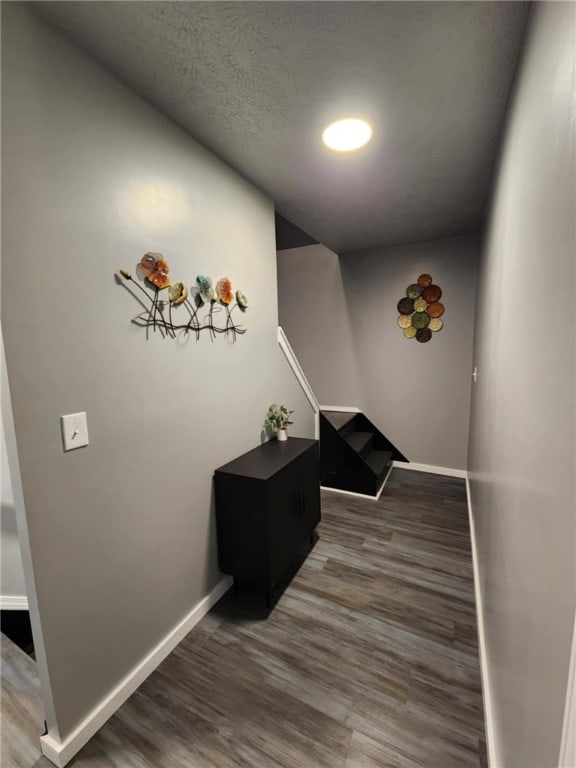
(368, 660)
(22, 714)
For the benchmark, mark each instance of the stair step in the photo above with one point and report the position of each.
(378, 461)
(360, 441)
(339, 419)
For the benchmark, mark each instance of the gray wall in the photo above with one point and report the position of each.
(314, 315)
(522, 454)
(121, 533)
(417, 394)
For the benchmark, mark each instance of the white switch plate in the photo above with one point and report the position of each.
(74, 431)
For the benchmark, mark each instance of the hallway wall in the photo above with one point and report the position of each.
(417, 394)
(314, 315)
(340, 317)
(122, 532)
(522, 429)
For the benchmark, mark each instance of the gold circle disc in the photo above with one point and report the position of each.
(410, 332)
(435, 324)
(420, 305)
(404, 321)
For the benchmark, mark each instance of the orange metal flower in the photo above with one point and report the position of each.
(224, 290)
(155, 269)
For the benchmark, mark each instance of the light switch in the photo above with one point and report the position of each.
(74, 431)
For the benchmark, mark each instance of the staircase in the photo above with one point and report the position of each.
(354, 455)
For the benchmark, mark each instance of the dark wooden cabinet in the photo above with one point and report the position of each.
(267, 506)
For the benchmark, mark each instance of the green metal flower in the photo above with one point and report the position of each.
(242, 301)
(205, 288)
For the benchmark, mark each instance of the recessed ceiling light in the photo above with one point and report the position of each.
(347, 135)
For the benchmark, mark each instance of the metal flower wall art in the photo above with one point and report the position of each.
(421, 310)
(172, 308)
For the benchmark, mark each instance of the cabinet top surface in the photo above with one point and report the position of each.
(264, 461)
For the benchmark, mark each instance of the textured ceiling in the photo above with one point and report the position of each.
(257, 81)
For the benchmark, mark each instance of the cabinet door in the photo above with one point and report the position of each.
(241, 523)
(285, 519)
(309, 482)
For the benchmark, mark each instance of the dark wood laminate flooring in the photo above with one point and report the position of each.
(369, 659)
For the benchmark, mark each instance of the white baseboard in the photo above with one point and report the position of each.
(343, 408)
(348, 493)
(13, 603)
(486, 690)
(61, 752)
(360, 495)
(568, 743)
(447, 471)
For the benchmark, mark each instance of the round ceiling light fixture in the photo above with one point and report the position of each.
(347, 135)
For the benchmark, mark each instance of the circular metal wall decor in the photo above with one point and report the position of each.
(424, 281)
(420, 305)
(435, 324)
(436, 309)
(420, 310)
(406, 306)
(432, 293)
(423, 335)
(420, 320)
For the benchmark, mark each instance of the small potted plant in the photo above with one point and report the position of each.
(278, 419)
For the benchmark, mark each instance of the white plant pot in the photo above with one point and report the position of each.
(281, 435)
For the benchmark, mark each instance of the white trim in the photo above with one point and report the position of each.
(301, 376)
(343, 408)
(13, 603)
(352, 493)
(448, 471)
(61, 752)
(486, 689)
(568, 743)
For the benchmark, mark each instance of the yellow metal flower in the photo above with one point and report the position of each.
(177, 293)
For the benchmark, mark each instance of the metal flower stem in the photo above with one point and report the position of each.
(193, 322)
(237, 329)
(229, 323)
(155, 305)
(129, 277)
(211, 321)
(188, 327)
(167, 325)
(160, 311)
